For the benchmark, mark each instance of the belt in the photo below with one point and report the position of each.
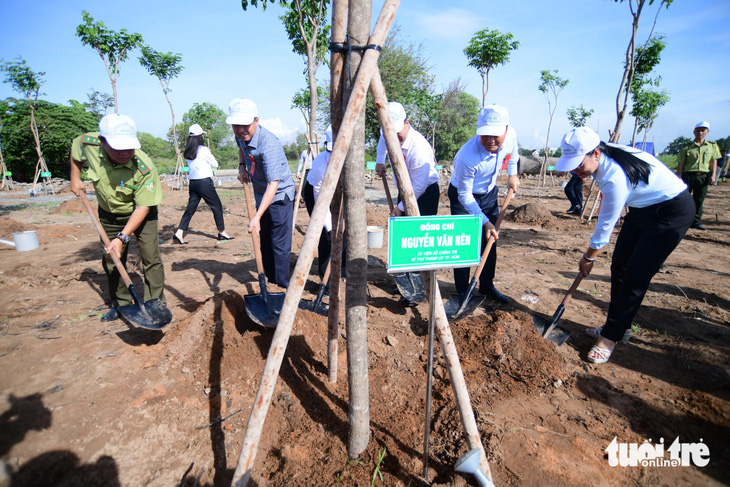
(696, 173)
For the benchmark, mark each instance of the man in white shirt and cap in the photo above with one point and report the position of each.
(473, 189)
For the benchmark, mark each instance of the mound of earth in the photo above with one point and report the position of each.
(8, 226)
(70, 206)
(531, 214)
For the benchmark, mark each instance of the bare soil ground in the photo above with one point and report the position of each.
(84, 402)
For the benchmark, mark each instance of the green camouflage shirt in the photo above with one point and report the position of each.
(119, 189)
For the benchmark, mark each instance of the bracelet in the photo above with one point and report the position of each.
(589, 260)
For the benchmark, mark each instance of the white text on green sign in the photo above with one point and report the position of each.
(433, 242)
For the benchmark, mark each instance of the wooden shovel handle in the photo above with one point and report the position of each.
(572, 289)
(491, 239)
(254, 235)
(105, 239)
(387, 192)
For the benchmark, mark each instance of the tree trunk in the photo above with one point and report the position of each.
(358, 30)
(339, 32)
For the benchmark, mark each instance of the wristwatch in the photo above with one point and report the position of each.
(123, 238)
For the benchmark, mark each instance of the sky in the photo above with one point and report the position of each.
(230, 53)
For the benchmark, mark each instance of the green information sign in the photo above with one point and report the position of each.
(370, 165)
(184, 169)
(439, 167)
(45, 174)
(433, 242)
(551, 168)
(8, 173)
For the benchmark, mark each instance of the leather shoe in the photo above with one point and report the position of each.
(223, 237)
(570, 210)
(698, 226)
(576, 211)
(112, 315)
(493, 294)
(176, 240)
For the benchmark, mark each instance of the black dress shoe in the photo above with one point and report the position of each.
(698, 226)
(570, 210)
(407, 303)
(494, 295)
(223, 237)
(576, 211)
(112, 315)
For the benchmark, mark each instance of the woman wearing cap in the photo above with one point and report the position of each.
(201, 163)
(660, 212)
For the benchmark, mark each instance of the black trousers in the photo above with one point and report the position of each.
(574, 191)
(205, 189)
(646, 239)
(428, 202)
(488, 204)
(324, 247)
(275, 239)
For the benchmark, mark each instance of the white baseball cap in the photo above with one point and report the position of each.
(196, 129)
(241, 111)
(703, 124)
(328, 143)
(398, 114)
(493, 120)
(119, 131)
(574, 146)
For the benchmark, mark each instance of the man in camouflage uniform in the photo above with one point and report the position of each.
(128, 191)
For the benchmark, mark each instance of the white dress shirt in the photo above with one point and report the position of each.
(617, 191)
(419, 158)
(202, 166)
(315, 176)
(476, 169)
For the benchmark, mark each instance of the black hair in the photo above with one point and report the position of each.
(636, 169)
(191, 148)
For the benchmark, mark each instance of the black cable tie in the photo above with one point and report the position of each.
(340, 47)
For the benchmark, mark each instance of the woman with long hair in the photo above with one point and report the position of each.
(201, 163)
(661, 211)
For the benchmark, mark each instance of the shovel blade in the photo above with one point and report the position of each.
(264, 312)
(153, 316)
(315, 306)
(557, 335)
(454, 309)
(410, 285)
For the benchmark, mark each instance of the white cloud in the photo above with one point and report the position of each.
(286, 133)
(455, 23)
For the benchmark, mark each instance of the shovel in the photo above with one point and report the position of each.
(549, 329)
(264, 307)
(317, 305)
(410, 285)
(152, 314)
(455, 310)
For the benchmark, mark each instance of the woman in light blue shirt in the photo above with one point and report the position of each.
(201, 163)
(661, 211)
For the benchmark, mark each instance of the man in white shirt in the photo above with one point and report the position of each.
(420, 163)
(473, 189)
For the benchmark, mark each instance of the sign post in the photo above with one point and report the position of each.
(428, 243)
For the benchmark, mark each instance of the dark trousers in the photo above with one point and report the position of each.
(574, 191)
(147, 235)
(205, 189)
(647, 237)
(488, 204)
(428, 202)
(276, 235)
(697, 183)
(324, 248)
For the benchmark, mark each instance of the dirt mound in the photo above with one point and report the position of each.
(70, 206)
(531, 214)
(8, 226)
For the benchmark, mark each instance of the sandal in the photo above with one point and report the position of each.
(596, 333)
(600, 355)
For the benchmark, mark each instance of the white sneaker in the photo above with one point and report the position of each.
(596, 332)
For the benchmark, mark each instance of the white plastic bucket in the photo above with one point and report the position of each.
(375, 237)
(23, 241)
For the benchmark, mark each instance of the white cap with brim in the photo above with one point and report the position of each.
(196, 129)
(328, 142)
(703, 124)
(493, 120)
(575, 145)
(241, 111)
(119, 131)
(398, 115)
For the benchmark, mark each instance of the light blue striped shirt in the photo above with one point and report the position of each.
(271, 165)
